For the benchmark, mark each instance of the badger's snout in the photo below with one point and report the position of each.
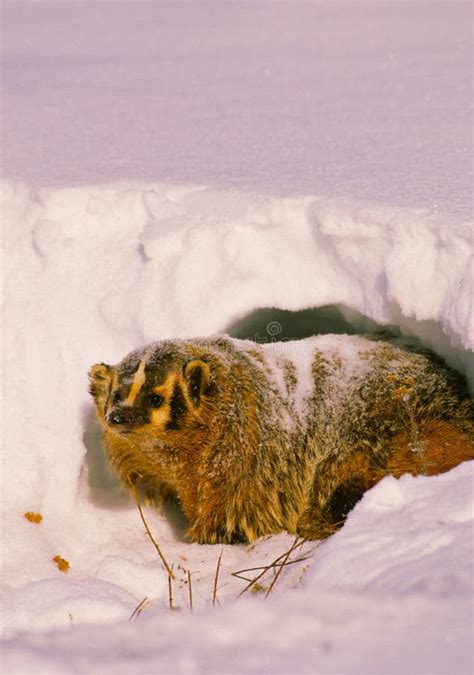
(120, 416)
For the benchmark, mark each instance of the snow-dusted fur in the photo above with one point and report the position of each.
(257, 439)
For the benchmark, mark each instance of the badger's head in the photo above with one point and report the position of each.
(157, 393)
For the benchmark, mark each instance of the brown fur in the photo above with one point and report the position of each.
(219, 424)
(442, 447)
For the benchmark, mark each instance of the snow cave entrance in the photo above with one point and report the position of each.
(269, 324)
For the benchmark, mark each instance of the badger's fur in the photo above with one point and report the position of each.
(254, 439)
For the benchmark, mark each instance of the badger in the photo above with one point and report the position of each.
(253, 439)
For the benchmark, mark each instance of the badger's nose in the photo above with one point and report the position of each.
(120, 417)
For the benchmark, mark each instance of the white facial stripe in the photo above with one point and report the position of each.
(138, 379)
(112, 387)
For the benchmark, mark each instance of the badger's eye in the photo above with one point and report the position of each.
(116, 397)
(156, 400)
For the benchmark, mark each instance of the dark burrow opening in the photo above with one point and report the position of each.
(269, 324)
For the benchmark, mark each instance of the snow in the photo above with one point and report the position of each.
(271, 170)
(390, 592)
(339, 98)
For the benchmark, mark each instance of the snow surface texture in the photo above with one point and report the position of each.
(365, 108)
(359, 99)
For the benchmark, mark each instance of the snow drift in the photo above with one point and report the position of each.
(93, 272)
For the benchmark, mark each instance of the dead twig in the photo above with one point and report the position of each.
(272, 564)
(170, 588)
(139, 608)
(239, 573)
(154, 542)
(214, 595)
(280, 567)
(190, 589)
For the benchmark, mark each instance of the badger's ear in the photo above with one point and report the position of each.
(197, 375)
(100, 376)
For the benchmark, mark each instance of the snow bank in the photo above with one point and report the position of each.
(95, 271)
(406, 608)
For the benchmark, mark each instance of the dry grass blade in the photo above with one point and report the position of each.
(170, 588)
(139, 608)
(280, 567)
(269, 567)
(239, 573)
(190, 589)
(154, 542)
(214, 595)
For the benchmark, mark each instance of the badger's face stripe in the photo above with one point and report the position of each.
(159, 416)
(178, 407)
(138, 379)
